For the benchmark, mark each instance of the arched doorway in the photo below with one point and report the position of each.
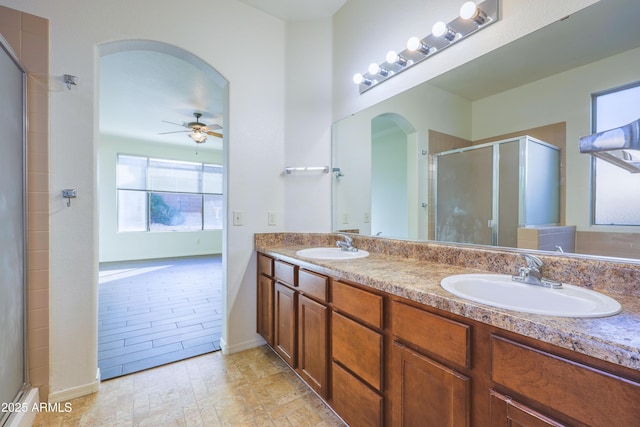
(397, 178)
(162, 167)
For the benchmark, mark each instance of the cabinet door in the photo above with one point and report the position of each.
(265, 308)
(285, 323)
(508, 413)
(354, 401)
(313, 329)
(426, 393)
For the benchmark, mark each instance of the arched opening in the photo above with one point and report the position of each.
(162, 197)
(396, 178)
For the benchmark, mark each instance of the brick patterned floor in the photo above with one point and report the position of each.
(155, 312)
(251, 388)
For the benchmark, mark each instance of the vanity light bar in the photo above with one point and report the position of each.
(473, 18)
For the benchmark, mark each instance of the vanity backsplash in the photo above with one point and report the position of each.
(611, 276)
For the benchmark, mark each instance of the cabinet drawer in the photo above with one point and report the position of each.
(313, 285)
(586, 394)
(505, 411)
(265, 265)
(285, 272)
(364, 305)
(356, 403)
(436, 334)
(358, 348)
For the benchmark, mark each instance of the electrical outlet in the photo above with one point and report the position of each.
(272, 218)
(237, 217)
(367, 217)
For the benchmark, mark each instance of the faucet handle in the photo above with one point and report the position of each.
(346, 238)
(533, 262)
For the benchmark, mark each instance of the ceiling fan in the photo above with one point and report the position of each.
(199, 131)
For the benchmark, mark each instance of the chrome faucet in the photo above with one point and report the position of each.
(531, 274)
(346, 244)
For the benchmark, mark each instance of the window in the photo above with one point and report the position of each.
(168, 195)
(616, 199)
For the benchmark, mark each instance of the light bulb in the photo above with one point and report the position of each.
(415, 44)
(376, 69)
(360, 79)
(439, 29)
(468, 10)
(393, 58)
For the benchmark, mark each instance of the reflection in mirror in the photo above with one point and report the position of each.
(395, 178)
(519, 89)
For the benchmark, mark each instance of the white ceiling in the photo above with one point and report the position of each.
(576, 40)
(297, 10)
(142, 89)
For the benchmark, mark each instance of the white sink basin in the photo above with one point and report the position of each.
(498, 290)
(331, 253)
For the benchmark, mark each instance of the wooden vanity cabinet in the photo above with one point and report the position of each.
(313, 331)
(357, 352)
(564, 389)
(425, 391)
(506, 412)
(379, 359)
(265, 296)
(293, 318)
(285, 306)
(285, 333)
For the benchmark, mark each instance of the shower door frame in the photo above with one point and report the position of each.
(21, 392)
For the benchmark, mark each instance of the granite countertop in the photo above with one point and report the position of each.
(614, 339)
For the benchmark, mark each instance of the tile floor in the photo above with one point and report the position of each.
(154, 312)
(250, 388)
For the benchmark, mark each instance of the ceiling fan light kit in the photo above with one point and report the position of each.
(198, 131)
(198, 137)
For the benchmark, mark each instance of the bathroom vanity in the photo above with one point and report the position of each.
(383, 344)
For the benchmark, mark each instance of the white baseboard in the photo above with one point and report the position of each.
(25, 418)
(230, 349)
(73, 392)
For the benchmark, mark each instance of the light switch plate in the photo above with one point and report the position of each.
(237, 217)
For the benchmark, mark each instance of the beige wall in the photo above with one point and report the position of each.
(28, 35)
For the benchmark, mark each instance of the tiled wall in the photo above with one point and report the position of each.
(28, 35)
(548, 238)
(623, 245)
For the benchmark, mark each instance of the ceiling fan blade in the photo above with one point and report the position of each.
(175, 131)
(214, 126)
(216, 134)
(173, 123)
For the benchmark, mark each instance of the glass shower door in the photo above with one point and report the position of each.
(12, 231)
(464, 196)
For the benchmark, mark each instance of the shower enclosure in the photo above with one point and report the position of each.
(12, 230)
(483, 193)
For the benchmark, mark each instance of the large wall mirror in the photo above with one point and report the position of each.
(387, 158)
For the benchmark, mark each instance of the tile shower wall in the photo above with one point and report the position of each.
(28, 35)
